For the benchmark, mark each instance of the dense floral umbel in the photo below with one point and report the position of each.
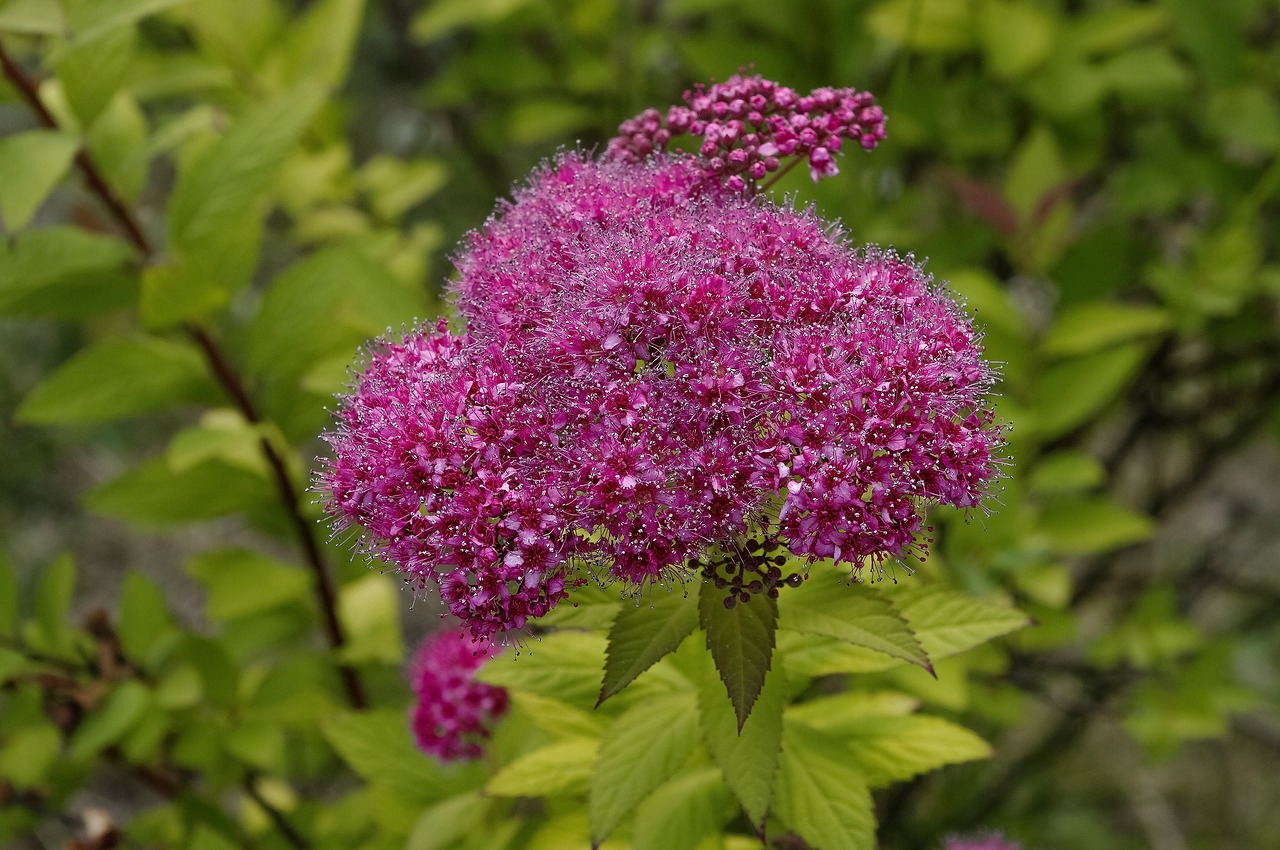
(750, 125)
(453, 714)
(655, 366)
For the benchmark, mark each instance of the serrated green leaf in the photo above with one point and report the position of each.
(947, 622)
(28, 754)
(889, 746)
(64, 272)
(36, 17)
(822, 794)
(153, 494)
(377, 746)
(369, 610)
(644, 632)
(682, 812)
(563, 665)
(855, 614)
(811, 656)
(642, 749)
(117, 378)
(748, 759)
(122, 708)
(328, 304)
(145, 627)
(1071, 392)
(1097, 325)
(563, 767)
(590, 607)
(446, 822)
(241, 582)
(31, 164)
(741, 642)
(1092, 525)
(557, 717)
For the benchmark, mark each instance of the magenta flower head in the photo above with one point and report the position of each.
(658, 369)
(990, 841)
(453, 714)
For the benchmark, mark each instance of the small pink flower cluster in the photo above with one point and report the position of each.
(655, 366)
(453, 713)
(992, 841)
(749, 124)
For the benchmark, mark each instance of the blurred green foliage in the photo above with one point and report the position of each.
(209, 205)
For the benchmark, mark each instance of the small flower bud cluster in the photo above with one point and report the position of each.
(749, 125)
(453, 713)
(656, 369)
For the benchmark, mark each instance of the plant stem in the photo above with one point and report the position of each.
(224, 373)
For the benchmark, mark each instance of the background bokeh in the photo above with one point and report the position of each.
(1099, 180)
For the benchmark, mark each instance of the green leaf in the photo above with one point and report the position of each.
(948, 622)
(377, 746)
(395, 186)
(217, 204)
(563, 665)
(644, 632)
(1065, 472)
(682, 812)
(822, 794)
(35, 17)
(118, 144)
(1037, 168)
(931, 26)
(446, 822)
(93, 19)
(1108, 30)
(1092, 525)
(316, 47)
(748, 759)
(1097, 325)
(53, 605)
(1016, 38)
(562, 767)
(330, 303)
(31, 164)
(222, 435)
(852, 613)
(590, 607)
(260, 745)
(145, 627)
(122, 708)
(29, 754)
(180, 688)
(441, 17)
(8, 596)
(369, 610)
(812, 656)
(557, 717)
(741, 643)
(117, 378)
(154, 495)
(64, 272)
(642, 749)
(91, 73)
(890, 747)
(1070, 393)
(241, 582)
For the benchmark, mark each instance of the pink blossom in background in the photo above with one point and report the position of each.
(655, 365)
(453, 714)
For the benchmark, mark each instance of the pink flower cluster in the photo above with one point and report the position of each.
(453, 713)
(655, 366)
(749, 124)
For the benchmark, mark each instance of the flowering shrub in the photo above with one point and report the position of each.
(657, 364)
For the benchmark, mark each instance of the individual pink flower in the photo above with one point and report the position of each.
(453, 714)
(989, 841)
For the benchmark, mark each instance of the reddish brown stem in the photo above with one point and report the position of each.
(223, 372)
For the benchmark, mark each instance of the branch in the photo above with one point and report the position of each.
(287, 829)
(226, 376)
